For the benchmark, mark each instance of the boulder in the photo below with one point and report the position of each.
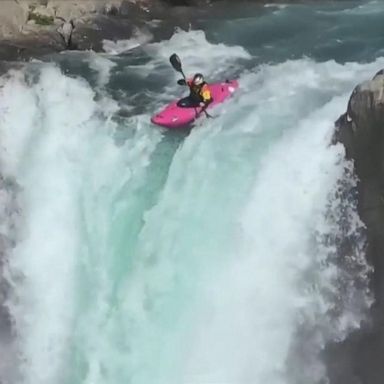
(361, 126)
(361, 130)
(13, 17)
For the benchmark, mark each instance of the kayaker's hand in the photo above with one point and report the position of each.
(202, 104)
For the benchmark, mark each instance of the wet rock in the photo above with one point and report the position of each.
(361, 130)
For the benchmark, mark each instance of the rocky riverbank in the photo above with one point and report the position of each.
(29, 28)
(34, 28)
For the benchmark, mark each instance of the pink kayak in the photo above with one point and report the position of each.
(173, 116)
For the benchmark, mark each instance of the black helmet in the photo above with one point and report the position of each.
(198, 79)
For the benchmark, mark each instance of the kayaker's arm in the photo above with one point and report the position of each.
(183, 82)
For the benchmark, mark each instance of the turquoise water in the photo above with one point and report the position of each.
(149, 256)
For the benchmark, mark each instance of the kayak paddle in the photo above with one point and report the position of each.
(176, 64)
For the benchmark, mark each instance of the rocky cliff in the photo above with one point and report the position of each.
(361, 130)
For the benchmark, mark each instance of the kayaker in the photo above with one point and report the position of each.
(200, 95)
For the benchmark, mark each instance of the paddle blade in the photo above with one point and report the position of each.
(176, 63)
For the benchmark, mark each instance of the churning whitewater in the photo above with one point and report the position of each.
(148, 256)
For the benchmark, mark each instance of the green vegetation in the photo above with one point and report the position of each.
(40, 19)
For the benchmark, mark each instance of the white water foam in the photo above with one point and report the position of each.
(61, 153)
(285, 274)
(219, 278)
(197, 53)
(140, 37)
(103, 68)
(248, 282)
(255, 303)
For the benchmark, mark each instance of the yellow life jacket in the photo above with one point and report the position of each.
(201, 90)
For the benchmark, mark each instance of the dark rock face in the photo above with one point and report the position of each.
(361, 130)
(360, 358)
